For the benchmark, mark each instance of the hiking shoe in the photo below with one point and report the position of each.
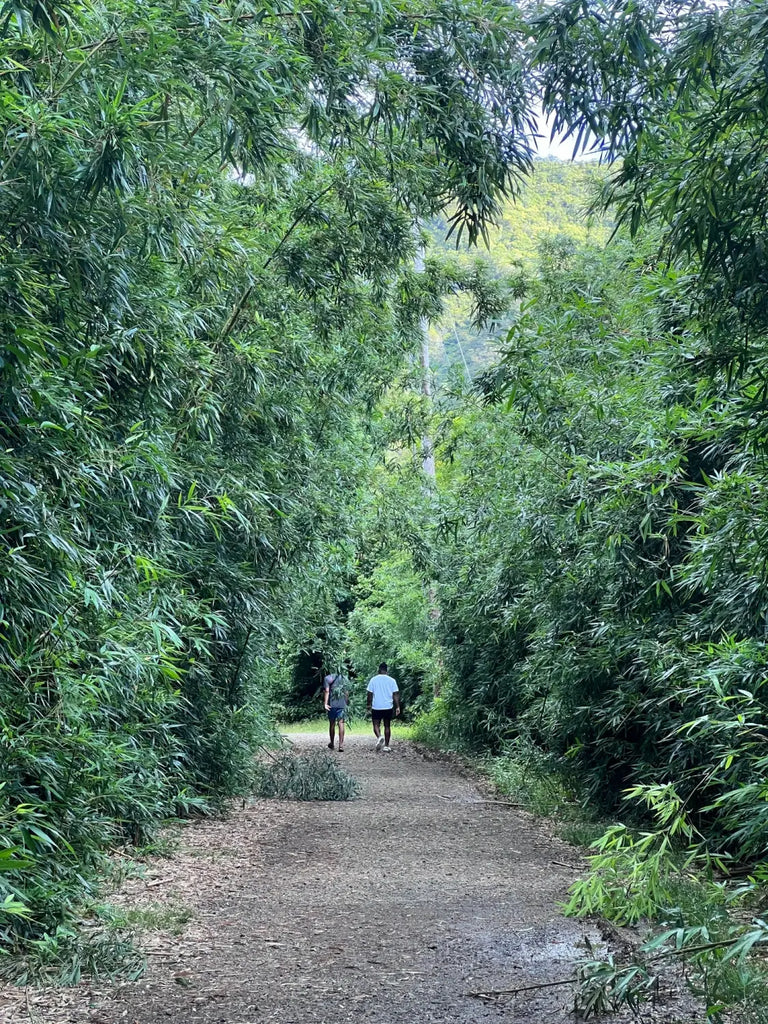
(330, 746)
(379, 743)
(386, 750)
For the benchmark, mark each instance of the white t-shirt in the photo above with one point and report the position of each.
(382, 687)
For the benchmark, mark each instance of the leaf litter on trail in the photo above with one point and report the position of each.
(283, 925)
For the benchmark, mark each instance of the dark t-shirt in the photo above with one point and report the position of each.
(337, 686)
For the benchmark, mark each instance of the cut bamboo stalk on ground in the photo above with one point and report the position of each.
(495, 993)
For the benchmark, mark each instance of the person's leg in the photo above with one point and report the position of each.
(386, 717)
(331, 729)
(376, 719)
(341, 733)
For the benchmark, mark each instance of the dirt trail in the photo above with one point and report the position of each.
(390, 909)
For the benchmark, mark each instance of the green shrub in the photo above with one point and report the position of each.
(315, 776)
(66, 954)
(434, 727)
(528, 774)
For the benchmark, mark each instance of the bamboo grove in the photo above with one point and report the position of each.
(598, 533)
(602, 562)
(207, 231)
(211, 435)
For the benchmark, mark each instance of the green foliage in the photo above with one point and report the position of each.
(665, 878)
(598, 598)
(599, 548)
(207, 223)
(391, 622)
(604, 987)
(290, 776)
(524, 772)
(553, 207)
(65, 955)
(600, 571)
(632, 875)
(434, 727)
(207, 340)
(723, 948)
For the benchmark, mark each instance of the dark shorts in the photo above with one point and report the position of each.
(336, 714)
(379, 715)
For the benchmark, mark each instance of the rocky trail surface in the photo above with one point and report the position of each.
(390, 909)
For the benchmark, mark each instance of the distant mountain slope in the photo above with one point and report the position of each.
(553, 203)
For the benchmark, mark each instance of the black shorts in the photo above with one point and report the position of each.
(382, 715)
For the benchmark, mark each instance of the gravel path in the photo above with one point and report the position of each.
(390, 908)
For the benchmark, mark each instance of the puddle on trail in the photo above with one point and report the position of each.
(536, 950)
(562, 942)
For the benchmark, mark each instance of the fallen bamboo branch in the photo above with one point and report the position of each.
(703, 948)
(493, 993)
(500, 803)
(32, 1016)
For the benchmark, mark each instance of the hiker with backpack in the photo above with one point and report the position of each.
(336, 701)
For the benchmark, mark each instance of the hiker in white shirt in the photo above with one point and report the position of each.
(383, 695)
